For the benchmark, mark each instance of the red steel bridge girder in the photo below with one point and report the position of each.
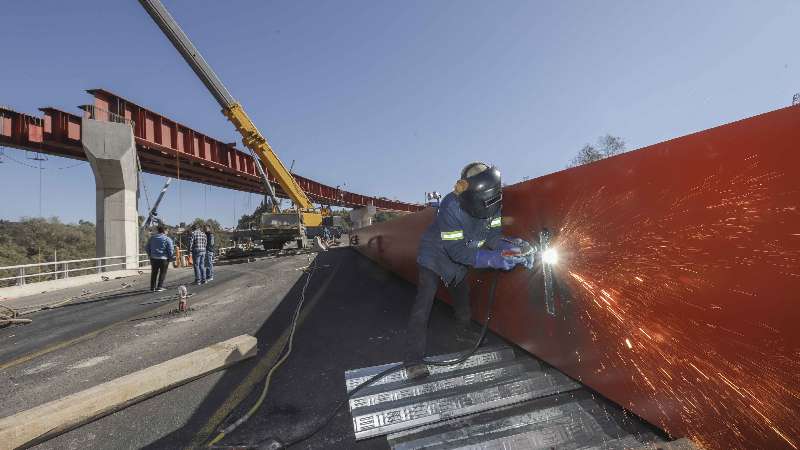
(167, 148)
(677, 283)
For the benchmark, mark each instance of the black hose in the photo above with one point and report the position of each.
(451, 362)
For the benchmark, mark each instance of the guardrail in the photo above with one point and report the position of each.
(63, 269)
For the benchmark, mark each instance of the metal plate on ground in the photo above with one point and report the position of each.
(571, 420)
(490, 379)
(483, 356)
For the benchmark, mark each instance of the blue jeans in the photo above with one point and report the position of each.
(198, 262)
(209, 265)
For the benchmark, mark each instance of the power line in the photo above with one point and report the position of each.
(10, 158)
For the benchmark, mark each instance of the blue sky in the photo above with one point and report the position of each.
(393, 98)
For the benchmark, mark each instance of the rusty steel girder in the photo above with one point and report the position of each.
(167, 148)
(676, 291)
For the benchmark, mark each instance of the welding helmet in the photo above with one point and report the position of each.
(480, 192)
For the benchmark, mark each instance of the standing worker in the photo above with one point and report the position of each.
(197, 246)
(160, 251)
(466, 233)
(210, 247)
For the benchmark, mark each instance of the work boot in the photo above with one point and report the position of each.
(417, 371)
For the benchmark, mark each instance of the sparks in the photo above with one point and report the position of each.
(699, 371)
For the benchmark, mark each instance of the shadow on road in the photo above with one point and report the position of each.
(358, 318)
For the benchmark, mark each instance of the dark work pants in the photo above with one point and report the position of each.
(158, 271)
(416, 332)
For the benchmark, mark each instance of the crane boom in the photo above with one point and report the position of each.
(154, 210)
(251, 137)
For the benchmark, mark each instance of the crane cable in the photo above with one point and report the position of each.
(180, 185)
(142, 183)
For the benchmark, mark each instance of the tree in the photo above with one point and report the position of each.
(202, 223)
(345, 215)
(41, 240)
(611, 145)
(253, 219)
(607, 146)
(385, 216)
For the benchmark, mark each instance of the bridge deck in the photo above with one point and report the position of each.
(356, 317)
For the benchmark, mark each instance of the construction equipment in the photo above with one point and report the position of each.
(153, 214)
(279, 227)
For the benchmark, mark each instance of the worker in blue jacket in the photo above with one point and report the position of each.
(466, 233)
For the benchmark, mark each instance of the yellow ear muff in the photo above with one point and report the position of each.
(461, 186)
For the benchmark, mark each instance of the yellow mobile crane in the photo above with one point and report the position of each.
(306, 213)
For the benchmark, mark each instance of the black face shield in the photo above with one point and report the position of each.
(484, 196)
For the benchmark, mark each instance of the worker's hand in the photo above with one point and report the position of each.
(520, 258)
(518, 245)
(528, 260)
(495, 259)
(506, 244)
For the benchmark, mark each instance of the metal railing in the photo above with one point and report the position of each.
(36, 272)
(63, 269)
(93, 112)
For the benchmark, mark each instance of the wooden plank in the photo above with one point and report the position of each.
(46, 421)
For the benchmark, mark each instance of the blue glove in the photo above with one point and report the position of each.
(517, 245)
(527, 260)
(507, 245)
(494, 259)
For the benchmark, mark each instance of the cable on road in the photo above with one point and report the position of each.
(451, 362)
(287, 347)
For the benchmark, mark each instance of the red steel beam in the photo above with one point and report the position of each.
(678, 279)
(155, 131)
(166, 147)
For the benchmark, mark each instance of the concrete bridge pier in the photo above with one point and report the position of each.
(111, 150)
(362, 217)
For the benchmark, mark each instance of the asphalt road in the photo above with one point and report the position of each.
(86, 314)
(72, 348)
(354, 316)
(358, 321)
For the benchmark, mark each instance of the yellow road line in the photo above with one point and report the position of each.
(27, 357)
(256, 374)
(52, 348)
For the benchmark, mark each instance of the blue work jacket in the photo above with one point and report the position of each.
(450, 244)
(160, 247)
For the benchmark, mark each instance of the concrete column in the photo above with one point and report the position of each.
(362, 217)
(111, 150)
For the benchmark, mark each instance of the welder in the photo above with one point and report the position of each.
(466, 233)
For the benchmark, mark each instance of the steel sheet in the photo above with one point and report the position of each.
(678, 280)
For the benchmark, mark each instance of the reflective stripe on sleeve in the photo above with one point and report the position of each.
(496, 222)
(452, 235)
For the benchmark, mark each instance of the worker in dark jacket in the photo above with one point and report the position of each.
(160, 251)
(211, 244)
(466, 233)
